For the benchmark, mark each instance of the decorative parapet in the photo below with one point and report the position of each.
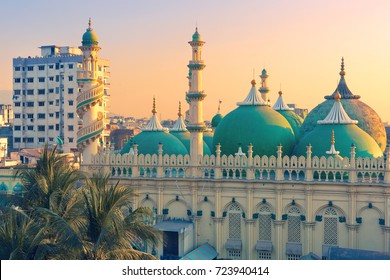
(281, 168)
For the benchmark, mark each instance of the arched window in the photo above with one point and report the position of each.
(294, 229)
(234, 243)
(330, 230)
(264, 244)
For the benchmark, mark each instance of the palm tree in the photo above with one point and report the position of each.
(49, 182)
(110, 231)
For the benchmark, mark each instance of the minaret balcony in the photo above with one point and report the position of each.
(196, 62)
(196, 95)
(86, 75)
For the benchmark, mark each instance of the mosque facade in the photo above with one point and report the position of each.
(257, 185)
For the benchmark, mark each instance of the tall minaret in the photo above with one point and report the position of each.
(264, 89)
(195, 96)
(90, 105)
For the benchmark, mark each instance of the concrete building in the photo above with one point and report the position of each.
(44, 98)
(6, 114)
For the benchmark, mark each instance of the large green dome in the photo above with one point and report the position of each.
(148, 143)
(345, 135)
(89, 37)
(367, 118)
(254, 123)
(185, 138)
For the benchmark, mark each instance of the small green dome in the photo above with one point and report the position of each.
(208, 136)
(345, 136)
(89, 37)
(148, 143)
(185, 138)
(260, 126)
(216, 120)
(196, 37)
(294, 120)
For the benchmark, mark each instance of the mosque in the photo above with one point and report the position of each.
(262, 183)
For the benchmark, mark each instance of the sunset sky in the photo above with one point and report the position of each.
(300, 43)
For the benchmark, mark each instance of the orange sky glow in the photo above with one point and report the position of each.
(300, 43)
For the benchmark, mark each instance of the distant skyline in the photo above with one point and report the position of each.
(300, 43)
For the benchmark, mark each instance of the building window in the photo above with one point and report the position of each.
(57, 78)
(17, 116)
(51, 66)
(264, 223)
(30, 80)
(41, 67)
(30, 127)
(17, 127)
(70, 127)
(30, 140)
(57, 127)
(30, 104)
(70, 102)
(234, 216)
(51, 102)
(17, 91)
(41, 139)
(234, 254)
(263, 255)
(70, 139)
(57, 102)
(17, 80)
(17, 139)
(41, 91)
(70, 65)
(30, 92)
(57, 90)
(30, 68)
(41, 116)
(51, 127)
(41, 79)
(57, 115)
(294, 229)
(17, 68)
(51, 78)
(51, 139)
(17, 104)
(30, 116)
(70, 78)
(41, 103)
(70, 90)
(41, 128)
(70, 115)
(51, 90)
(51, 115)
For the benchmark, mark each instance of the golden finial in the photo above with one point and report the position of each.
(342, 72)
(253, 82)
(333, 140)
(154, 111)
(337, 96)
(89, 23)
(219, 106)
(280, 93)
(180, 114)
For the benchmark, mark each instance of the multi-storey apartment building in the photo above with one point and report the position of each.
(44, 100)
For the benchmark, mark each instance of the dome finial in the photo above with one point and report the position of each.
(253, 82)
(89, 24)
(342, 72)
(337, 96)
(219, 106)
(332, 141)
(154, 111)
(332, 150)
(180, 114)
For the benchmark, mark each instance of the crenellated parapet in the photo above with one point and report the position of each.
(264, 168)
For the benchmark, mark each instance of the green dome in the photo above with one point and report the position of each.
(367, 118)
(196, 37)
(208, 136)
(260, 126)
(345, 136)
(185, 138)
(90, 38)
(216, 120)
(294, 120)
(148, 143)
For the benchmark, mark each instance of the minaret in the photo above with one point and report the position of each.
(264, 89)
(90, 98)
(195, 97)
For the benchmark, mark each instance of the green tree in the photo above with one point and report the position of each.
(111, 230)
